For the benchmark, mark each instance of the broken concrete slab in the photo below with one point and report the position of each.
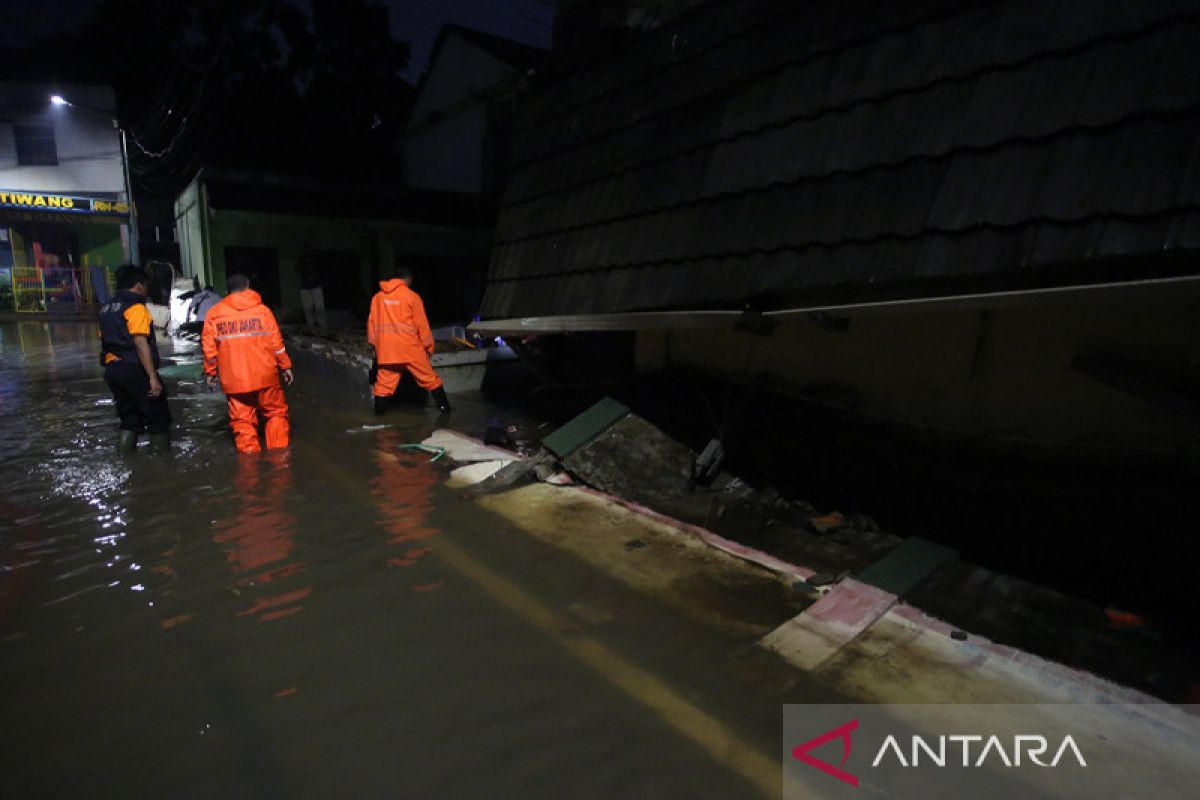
(634, 460)
(475, 472)
(901, 570)
(585, 427)
(513, 474)
(464, 449)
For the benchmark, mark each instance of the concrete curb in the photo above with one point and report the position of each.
(832, 628)
(741, 551)
(810, 639)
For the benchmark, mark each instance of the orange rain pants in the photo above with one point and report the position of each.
(243, 418)
(387, 378)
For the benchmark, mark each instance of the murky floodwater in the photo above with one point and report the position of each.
(323, 622)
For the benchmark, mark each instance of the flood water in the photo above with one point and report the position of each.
(327, 621)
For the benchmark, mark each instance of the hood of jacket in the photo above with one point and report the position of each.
(243, 300)
(392, 285)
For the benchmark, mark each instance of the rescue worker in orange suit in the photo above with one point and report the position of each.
(129, 355)
(244, 350)
(398, 329)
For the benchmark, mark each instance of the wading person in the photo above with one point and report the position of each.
(398, 329)
(244, 350)
(130, 358)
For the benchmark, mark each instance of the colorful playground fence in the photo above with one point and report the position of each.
(67, 290)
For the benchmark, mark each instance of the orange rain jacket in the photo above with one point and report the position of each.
(242, 344)
(397, 325)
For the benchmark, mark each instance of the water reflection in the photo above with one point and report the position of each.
(258, 537)
(19, 533)
(402, 491)
(128, 589)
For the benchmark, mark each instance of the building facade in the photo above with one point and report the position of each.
(64, 203)
(974, 220)
(459, 134)
(259, 224)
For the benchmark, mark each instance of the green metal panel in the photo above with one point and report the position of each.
(910, 563)
(100, 244)
(585, 427)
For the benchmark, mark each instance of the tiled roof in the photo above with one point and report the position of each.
(517, 54)
(767, 150)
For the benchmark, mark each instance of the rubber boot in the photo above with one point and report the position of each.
(160, 443)
(439, 397)
(380, 404)
(126, 442)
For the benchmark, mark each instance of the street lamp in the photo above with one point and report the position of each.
(59, 101)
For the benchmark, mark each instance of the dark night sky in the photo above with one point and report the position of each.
(416, 21)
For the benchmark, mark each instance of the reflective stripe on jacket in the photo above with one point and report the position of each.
(242, 344)
(122, 318)
(397, 325)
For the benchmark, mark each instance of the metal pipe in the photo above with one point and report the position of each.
(672, 320)
(133, 225)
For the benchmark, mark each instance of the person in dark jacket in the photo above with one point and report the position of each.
(129, 355)
(312, 294)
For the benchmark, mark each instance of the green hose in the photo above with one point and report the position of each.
(426, 448)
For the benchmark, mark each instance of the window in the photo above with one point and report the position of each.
(35, 145)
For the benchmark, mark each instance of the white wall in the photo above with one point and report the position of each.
(89, 146)
(189, 228)
(444, 144)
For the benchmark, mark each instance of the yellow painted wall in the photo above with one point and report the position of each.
(1000, 373)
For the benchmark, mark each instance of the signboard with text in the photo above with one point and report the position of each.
(1090, 751)
(61, 203)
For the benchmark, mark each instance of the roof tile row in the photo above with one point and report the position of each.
(939, 139)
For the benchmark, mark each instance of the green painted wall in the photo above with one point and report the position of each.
(374, 242)
(205, 233)
(100, 244)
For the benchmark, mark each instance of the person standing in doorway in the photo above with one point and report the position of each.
(129, 355)
(244, 350)
(398, 329)
(312, 296)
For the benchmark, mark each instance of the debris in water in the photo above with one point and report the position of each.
(1120, 620)
(807, 588)
(827, 523)
(171, 622)
(368, 428)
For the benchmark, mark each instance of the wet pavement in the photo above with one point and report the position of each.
(329, 620)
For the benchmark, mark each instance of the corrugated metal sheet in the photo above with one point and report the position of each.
(772, 147)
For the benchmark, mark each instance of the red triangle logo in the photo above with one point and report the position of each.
(843, 732)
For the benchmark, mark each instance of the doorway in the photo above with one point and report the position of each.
(261, 266)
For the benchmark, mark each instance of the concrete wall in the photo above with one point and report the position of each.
(89, 146)
(444, 146)
(1004, 373)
